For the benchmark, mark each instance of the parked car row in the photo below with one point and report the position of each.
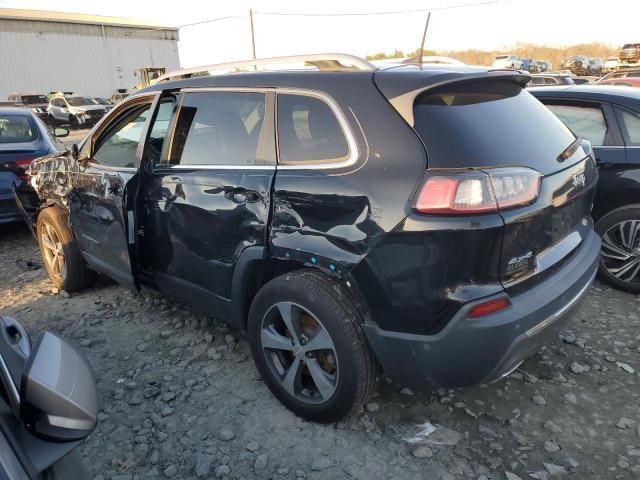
(256, 197)
(65, 108)
(514, 62)
(582, 65)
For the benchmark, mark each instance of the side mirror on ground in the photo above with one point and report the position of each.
(60, 132)
(58, 392)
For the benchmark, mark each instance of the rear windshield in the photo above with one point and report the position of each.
(80, 101)
(17, 129)
(489, 123)
(34, 99)
(502, 57)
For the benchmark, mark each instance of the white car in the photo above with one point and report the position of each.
(509, 61)
(611, 64)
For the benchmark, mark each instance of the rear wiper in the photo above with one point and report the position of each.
(573, 148)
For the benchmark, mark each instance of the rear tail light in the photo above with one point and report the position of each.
(24, 166)
(474, 191)
(486, 308)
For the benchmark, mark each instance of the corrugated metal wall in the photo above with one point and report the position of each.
(41, 57)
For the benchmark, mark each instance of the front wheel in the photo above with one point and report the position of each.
(620, 254)
(62, 258)
(308, 344)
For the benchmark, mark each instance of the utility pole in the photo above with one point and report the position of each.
(424, 36)
(253, 37)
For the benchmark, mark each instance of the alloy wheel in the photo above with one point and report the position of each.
(299, 352)
(621, 251)
(53, 252)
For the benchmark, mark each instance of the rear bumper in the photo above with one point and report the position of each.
(472, 351)
(9, 212)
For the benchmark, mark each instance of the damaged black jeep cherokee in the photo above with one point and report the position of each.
(434, 222)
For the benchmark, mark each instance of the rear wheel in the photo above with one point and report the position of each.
(307, 341)
(62, 258)
(620, 254)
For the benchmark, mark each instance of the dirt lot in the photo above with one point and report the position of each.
(179, 397)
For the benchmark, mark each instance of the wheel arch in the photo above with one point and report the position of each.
(255, 268)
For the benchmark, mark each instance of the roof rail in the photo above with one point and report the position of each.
(323, 61)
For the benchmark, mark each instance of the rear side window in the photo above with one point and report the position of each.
(488, 123)
(309, 132)
(218, 128)
(17, 129)
(585, 122)
(631, 125)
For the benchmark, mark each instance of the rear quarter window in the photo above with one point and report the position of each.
(631, 125)
(309, 132)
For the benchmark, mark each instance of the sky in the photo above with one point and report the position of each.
(494, 26)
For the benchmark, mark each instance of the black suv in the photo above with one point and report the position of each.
(434, 221)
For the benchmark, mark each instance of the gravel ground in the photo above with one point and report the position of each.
(179, 397)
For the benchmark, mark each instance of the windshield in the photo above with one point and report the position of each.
(502, 57)
(34, 99)
(17, 129)
(81, 101)
(101, 101)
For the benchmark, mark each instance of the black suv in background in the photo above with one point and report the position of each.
(609, 117)
(347, 218)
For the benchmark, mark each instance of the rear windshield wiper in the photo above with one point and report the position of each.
(573, 148)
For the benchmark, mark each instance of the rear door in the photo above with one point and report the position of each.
(630, 128)
(596, 122)
(102, 211)
(208, 194)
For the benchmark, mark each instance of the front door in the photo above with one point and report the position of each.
(208, 197)
(101, 205)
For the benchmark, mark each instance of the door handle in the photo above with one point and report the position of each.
(241, 195)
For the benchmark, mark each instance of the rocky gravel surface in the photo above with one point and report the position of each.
(179, 397)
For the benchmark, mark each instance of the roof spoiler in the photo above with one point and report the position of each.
(403, 102)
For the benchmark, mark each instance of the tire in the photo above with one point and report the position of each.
(73, 123)
(616, 229)
(60, 253)
(71, 466)
(52, 121)
(321, 302)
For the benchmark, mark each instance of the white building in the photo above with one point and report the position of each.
(42, 52)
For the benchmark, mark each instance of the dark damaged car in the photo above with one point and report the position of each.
(347, 218)
(23, 137)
